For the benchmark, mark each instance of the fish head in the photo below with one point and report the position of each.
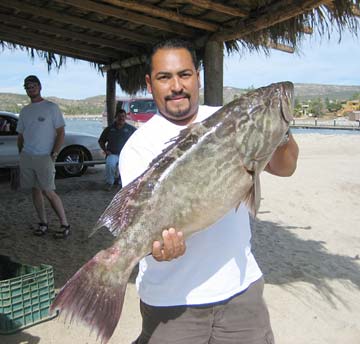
(271, 106)
(262, 122)
(287, 99)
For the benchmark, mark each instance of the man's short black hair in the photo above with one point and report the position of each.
(174, 43)
(120, 112)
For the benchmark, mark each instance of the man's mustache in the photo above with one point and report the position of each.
(176, 95)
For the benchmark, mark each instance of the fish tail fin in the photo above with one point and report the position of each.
(94, 296)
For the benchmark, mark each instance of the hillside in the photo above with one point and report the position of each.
(303, 92)
(333, 92)
(95, 105)
(88, 106)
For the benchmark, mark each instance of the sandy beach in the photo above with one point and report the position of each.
(306, 239)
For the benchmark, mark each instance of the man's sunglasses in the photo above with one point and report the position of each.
(29, 87)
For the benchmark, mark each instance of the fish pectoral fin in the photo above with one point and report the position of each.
(252, 198)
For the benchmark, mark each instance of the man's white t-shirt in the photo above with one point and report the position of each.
(218, 262)
(38, 123)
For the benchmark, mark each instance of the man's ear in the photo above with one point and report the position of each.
(198, 77)
(148, 83)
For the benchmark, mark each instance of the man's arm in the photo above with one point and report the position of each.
(283, 163)
(284, 160)
(20, 142)
(59, 140)
(102, 141)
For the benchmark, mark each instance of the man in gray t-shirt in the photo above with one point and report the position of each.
(41, 129)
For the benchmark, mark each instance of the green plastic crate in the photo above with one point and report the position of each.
(26, 297)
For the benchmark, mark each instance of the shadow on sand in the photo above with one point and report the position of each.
(285, 258)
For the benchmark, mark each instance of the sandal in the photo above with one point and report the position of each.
(63, 232)
(42, 229)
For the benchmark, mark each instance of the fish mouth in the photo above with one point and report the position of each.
(287, 100)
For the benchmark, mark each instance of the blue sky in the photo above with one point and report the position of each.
(319, 61)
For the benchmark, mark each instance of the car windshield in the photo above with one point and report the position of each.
(143, 105)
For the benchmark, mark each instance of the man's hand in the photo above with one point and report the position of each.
(106, 152)
(283, 161)
(54, 156)
(173, 246)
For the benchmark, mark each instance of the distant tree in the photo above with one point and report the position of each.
(332, 106)
(327, 102)
(12, 108)
(297, 108)
(250, 88)
(355, 96)
(317, 107)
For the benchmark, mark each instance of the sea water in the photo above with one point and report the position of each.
(94, 127)
(84, 126)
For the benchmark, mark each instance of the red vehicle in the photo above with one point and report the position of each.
(138, 110)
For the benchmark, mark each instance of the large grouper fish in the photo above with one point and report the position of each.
(207, 170)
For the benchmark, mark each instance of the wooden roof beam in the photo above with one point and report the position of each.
(307, 29)
(169, 15)
(279, 46)
(210, 5)
(45, 41)
(265, 41)
(132, 61)
(26, 42)
(129, 16)
(71, 34)
(355, 10)
(76, 21)
(278, 12)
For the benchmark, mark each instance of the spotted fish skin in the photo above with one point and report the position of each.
(208, 169)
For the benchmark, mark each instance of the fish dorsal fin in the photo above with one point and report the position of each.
(191, 134)
(122, 209)
(186, 137)
(252, 199)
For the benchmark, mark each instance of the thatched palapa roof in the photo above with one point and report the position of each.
(118, 34)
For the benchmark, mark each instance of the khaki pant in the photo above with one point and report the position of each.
(37, 171)
(243, 319)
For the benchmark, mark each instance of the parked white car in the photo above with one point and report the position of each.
(76, 148)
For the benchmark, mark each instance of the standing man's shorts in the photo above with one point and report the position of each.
(37, 171)
(243, 319)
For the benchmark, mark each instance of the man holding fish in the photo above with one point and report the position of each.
(191, 172)
(208, 290)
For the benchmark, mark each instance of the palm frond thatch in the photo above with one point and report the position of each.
(103, 35)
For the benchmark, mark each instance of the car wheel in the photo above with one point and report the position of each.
(72, 154)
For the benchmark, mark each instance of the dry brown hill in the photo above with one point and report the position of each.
(95, 105)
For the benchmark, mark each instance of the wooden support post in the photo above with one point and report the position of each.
(110, 96)
(213, 73)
